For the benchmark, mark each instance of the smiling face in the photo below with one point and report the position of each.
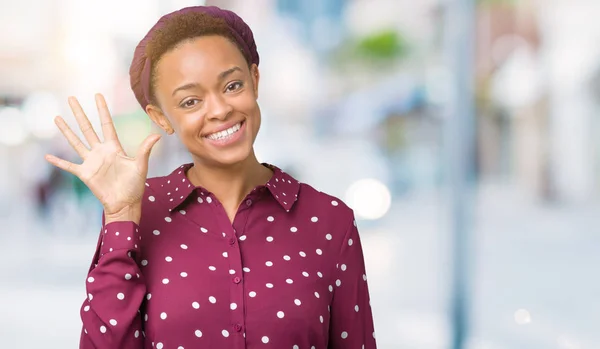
(206, 93)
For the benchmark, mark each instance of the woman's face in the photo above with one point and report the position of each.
(207, 95)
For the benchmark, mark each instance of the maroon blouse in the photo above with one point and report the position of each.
(288, 273)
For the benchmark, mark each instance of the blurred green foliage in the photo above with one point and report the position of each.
(387, 44)
(377, 48)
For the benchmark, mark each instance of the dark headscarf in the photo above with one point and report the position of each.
(139, 71)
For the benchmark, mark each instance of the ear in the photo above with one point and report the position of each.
(255, 78)
(159, 118)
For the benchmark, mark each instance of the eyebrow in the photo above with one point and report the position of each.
(193, 85)
(185, 87)
(228, 72)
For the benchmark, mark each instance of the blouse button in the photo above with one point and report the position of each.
(248, 202)
(237, 280)
(237, 327)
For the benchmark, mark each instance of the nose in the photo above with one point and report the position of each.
(219, 108)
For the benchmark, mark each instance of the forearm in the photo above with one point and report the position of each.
(115, 291)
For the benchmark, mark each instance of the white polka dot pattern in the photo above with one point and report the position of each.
(289, 268)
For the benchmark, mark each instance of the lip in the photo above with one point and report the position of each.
(223, 127)
(228, 141)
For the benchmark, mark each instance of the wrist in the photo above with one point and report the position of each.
(132, 213)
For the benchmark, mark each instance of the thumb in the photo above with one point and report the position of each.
(146, 147)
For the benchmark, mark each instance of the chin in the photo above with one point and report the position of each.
(226, 157)
(231, 158)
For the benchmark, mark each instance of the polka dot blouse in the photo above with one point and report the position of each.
(288, 273)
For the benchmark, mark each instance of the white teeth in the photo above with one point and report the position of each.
(225, 133)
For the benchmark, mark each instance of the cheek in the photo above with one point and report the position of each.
(256, 117)
(245, 103)
(189, 124)
(249, 107)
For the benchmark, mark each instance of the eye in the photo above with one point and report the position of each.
(189, 103)
(234, 86)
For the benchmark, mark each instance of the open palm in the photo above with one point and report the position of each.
(116, 179)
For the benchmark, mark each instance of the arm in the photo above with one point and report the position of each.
(115, 291)
(351, 321)
(115, 286)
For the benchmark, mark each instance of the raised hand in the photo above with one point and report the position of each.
(116, 179)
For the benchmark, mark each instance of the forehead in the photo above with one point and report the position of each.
(203, 57)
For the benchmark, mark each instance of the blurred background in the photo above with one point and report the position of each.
(462, 133)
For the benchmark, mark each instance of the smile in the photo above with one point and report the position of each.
(225, 133)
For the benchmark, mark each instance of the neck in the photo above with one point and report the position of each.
(231, 183)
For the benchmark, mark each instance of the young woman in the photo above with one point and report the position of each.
(223, 252)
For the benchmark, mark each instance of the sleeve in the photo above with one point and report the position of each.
(115, 291)
(351, 319)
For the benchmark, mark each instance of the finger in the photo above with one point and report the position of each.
(146, 147)
(71, 137)
(63, 164)
(84, 123)
(108, 127)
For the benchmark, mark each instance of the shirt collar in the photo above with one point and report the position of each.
(176, 187)
(283, 187)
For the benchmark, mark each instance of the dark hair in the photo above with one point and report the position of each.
(182, 28)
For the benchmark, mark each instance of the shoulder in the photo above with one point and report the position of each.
(331, 220)
(154, 187)
(159, 191)
(154, 183)
(319, 206)
(158, 184)
(325, 206)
